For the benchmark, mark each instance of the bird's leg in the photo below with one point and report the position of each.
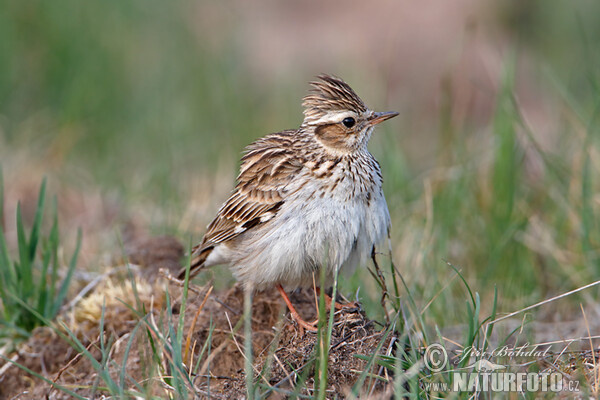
(295, 316)
(338, 306)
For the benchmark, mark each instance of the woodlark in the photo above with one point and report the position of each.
(305, 199)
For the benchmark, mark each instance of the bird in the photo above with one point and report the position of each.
(305, 199)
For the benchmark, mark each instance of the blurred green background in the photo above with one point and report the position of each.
(138, 113)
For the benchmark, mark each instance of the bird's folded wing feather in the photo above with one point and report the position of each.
(267, 168)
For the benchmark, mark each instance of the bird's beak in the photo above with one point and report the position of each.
(379, 117)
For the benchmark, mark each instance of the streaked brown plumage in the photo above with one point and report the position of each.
(304, 198)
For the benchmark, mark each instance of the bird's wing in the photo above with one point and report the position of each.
(268, 166)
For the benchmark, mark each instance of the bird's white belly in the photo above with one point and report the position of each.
(313, 231)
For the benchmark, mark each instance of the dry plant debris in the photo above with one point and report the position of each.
(281, 352)
(276, 342)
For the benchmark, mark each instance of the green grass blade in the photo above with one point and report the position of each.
(37, 221)
(361, 379)
(413, 308)
(82, 349)
(206, 348)
(75, 342)
(396, 301)
(476, 318)
(105, 350)
(149, 331)
(324, 339)
(42, 289)
(53, 244)
(48, 381)
(490, 328)
(177, 366)
(471, 330)
(7, 277)
(464, 281)
(249, 371)
(186, 284)
(303, 372)
(178, 373)
(1, 199)
(62, 293)
(5, 263)
(24, 268)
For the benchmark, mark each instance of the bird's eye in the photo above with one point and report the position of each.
(349, 122)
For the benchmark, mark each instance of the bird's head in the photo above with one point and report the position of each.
(339, 119)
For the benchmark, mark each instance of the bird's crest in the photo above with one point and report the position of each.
(330, 94)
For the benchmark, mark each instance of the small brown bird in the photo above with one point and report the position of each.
(305, 198)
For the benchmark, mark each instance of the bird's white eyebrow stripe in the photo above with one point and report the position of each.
(333, 117)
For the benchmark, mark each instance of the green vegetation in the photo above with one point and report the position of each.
(31, 291)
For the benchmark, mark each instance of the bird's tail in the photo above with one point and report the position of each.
(199, 255)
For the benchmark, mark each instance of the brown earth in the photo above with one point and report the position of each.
(279, 347)
(213, 340)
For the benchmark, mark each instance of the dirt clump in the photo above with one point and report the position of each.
(282, 353)
(154, 253)
(116, 314)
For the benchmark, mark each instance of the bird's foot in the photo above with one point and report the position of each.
(309, 326)
(351, 306)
